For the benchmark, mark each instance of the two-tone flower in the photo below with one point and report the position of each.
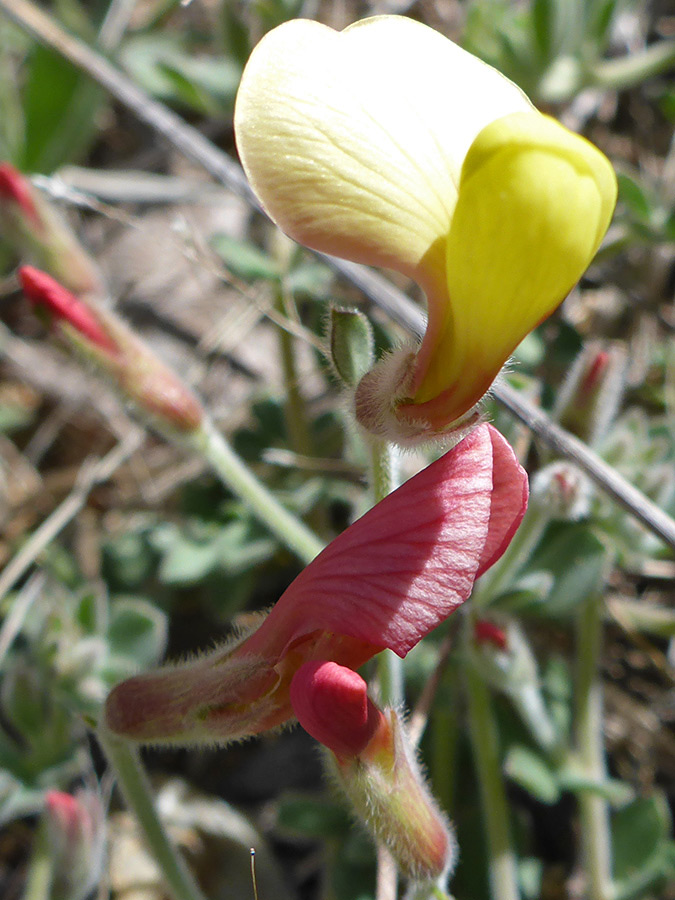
(388, 144)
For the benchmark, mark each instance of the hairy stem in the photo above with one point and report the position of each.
(593, 809)
(236, 475)
(502, 865)
(135, 787)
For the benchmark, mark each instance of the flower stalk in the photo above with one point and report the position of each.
(595, 833)
(135, 787)
(237, 477)
(503, 869)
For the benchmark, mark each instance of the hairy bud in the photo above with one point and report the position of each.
(33, 227)
(76, 840)
(374, 765)
(127, 361)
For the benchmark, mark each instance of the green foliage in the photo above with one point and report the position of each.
(167, 68)
(555, 48)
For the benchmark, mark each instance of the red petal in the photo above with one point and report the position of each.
(331, 703)
(401, 569)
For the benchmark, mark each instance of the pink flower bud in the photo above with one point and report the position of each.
(76, 836)
(387, 791)
(485, 632)
(31, 225)
(331, 703)
(375, 766)
(589, 399)
(43, 291)
(128, 361)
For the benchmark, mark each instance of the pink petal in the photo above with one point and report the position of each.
(401, 569)
(509, 500)
(331, 703)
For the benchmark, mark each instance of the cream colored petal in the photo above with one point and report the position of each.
(354, 140)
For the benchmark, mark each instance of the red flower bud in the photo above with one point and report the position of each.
(42, 290)
(126, 359)
(15, 188)
(331, 703)
(33, 226)
(485, 632)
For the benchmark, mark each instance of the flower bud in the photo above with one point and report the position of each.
(33, 227)
(589, 399)
(128, 362)
(76, 840)
(373, 763)
(332, 704)
(350, 339)
(562, 491)
(485, 632)
(505, 660)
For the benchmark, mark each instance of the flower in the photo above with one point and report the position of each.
(388, 144)
(386, 581)
(31, 224)
(97, 333)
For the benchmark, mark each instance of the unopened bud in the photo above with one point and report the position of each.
(332, 704)
(485, 632)
(373, 763)
(66, 309)
(562, 491)
(76, 840)
(350, 339)
(127, 361)
(505, 660)
(31, 225)
(589, 399)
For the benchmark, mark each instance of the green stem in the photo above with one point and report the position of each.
(236, 475)
(41, 868)
(593, 808)
(297, 427)
(503, 869)
(444, 751)
(389, 665)
(135, 787)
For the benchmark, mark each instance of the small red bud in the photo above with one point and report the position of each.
(16, 188)
(331, 703)
(43, 290)
(595, 371)
(485, 632)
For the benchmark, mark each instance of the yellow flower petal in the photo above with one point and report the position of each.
(354, 140)
(534, 203)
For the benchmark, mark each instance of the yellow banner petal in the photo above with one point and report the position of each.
(354, 140)
(535, 201)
